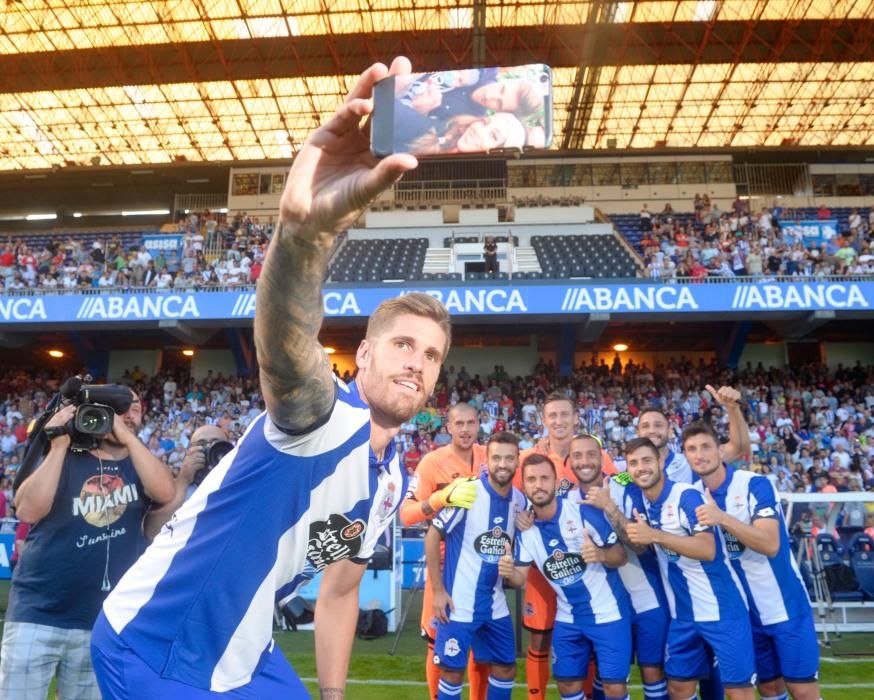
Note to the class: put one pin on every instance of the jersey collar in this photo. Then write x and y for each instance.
(484, 478)
(723, 487)
(387, 457)
(666, 491)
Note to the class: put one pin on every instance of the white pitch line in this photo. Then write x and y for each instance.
(418, 684)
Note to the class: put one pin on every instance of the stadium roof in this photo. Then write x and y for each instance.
(133, 83)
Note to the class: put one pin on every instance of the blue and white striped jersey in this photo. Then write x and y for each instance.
(586, 593)
(475, 542)
(641, 575)
(773, 585)
(198, 605)
(697, 591)
(678, 469)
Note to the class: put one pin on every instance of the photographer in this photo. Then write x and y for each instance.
(86, 507)
(208, 445)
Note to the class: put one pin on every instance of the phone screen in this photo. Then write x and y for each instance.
(472, 110)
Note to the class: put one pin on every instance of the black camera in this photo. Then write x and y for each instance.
(96, 405)
(213, 453)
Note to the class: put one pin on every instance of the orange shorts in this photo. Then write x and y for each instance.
(538, 613)
(428, 620)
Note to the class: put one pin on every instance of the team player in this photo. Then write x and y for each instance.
(577, 551)
(468, 597)
(538, 616)
(311, 485)
(640, 575)
(652, 423)
(746, 508)
(443, 477)
(707, 603)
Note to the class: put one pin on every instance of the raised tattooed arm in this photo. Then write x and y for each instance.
(295, 375)
(333, 179)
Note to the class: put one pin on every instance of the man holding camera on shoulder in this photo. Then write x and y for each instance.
(86, 500)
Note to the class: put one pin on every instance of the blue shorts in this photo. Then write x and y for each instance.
(732, 644)
(788, 649)
(572, 647)
(122, 675)
(649, 634)
(492, 642)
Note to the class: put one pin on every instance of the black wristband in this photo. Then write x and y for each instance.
(56, 431)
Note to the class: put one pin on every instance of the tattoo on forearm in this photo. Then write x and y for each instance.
(614, 517)
(619, 521)
(331, 693)
(427, 509)
(287, 322)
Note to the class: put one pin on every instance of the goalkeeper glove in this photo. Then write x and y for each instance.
(461, 493)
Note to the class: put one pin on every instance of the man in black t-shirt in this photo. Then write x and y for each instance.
(490, 254)
(87, 510)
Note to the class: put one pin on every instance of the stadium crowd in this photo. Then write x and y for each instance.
(218, 251)
(739, 242)
(237, 249)
(811, 429)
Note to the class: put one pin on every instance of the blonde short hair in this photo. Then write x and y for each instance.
(414, 304)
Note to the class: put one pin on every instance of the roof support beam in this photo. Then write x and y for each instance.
(479, 33)
(626, 43)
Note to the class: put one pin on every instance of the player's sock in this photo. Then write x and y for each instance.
(782, 696)
(597, 689)
(537, 669)
(432, 672)
(478, 679)
(624, 697)
(448, 691)
(656, 691)
(573, 696)
(500, 688)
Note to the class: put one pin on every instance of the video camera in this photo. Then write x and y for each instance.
(96, 405)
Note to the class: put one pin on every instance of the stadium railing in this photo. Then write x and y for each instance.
(833, 611)
(38, 291)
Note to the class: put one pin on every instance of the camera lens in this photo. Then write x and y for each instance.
(93, 420)
(216, 451)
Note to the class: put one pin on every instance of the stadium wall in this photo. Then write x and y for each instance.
(847, 353)
(149, 361)
(518, 360)
(768, 354)
(435, 235)
(650, 359)
(219, 361)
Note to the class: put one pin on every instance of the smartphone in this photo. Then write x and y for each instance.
(474, 110)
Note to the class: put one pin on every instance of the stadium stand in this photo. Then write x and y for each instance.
(583, 256)
(737, 243)
(380, 259)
